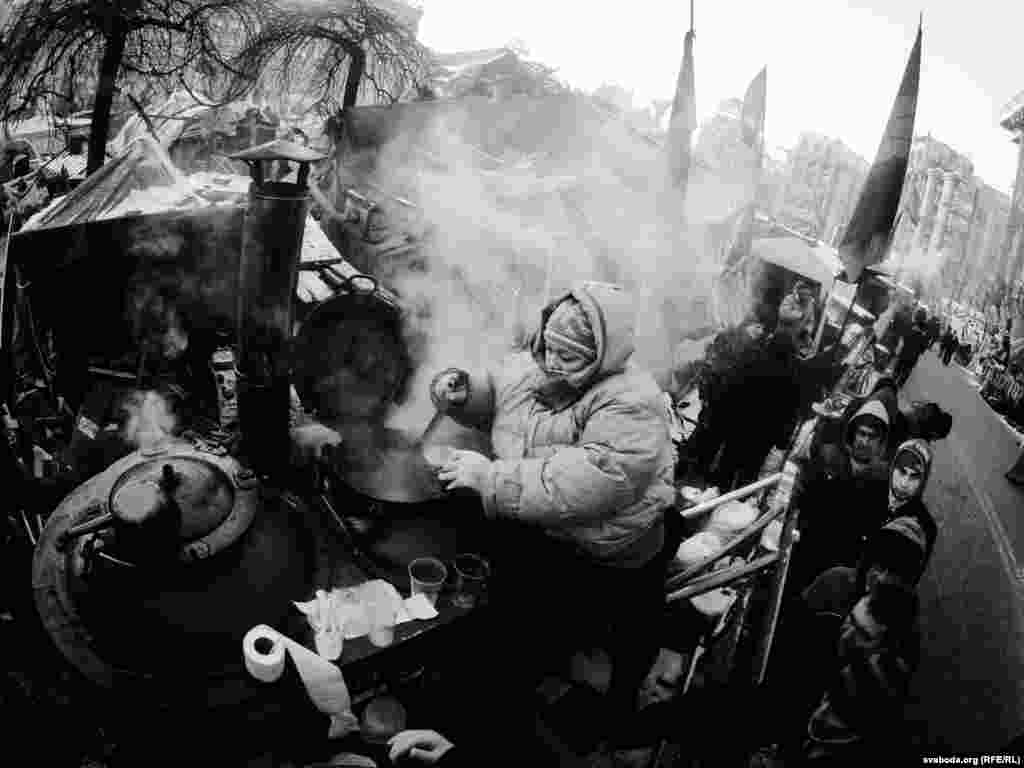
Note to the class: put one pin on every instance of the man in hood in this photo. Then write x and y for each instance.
(577, 491)
(924, 420)
(867, 434)
(841, 492)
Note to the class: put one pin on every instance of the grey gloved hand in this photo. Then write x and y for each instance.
(449, 389)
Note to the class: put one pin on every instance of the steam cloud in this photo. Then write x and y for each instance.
(596, 204)
(150, 420)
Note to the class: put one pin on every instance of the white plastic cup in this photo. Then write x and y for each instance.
(426, 577)
(382, 617)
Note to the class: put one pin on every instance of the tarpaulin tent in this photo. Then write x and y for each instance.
(142, 179)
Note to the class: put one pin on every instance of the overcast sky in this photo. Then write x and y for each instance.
(833, 67)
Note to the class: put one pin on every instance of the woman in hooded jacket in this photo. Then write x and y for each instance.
(575, 497)
(840, 493)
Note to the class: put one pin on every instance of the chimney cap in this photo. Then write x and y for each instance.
(279, 149)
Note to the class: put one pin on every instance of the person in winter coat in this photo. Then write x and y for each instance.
(576, 495)
(834, 430)
(1004, 349)
(1015, 474)
(914, 344)
(934, 326)
(725, 358)
(949, 345)
(911, 468)
(840, 494)
(758, 403)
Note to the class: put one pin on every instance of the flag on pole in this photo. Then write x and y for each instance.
(754, 109)
(683, 121)
(752, 119)
(869, 233)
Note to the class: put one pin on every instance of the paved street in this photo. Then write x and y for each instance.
(968, 695)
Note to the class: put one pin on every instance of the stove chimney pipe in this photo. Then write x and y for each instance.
(268, 270)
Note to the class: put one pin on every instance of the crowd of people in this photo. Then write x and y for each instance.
(583, 477)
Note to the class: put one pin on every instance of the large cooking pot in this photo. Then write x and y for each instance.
(351, 360)
(390, 504)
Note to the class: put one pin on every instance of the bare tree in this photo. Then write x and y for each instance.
(335, 49)
(65, 49)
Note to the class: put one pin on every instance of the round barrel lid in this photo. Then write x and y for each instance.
(202, 490)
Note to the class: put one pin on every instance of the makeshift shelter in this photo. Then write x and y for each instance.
(47, 135)
(142, 179)
(139, 221)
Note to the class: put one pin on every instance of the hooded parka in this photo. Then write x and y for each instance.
(594, 465)
(840, 503)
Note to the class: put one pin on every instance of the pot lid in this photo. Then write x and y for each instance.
(201, 489)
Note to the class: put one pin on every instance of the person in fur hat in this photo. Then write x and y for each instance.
(576, 495)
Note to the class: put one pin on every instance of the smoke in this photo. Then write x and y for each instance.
(149, 420)
(919, 263)
(579, 197)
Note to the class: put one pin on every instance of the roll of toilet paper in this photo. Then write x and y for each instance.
(264, 651)
(323, 680)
